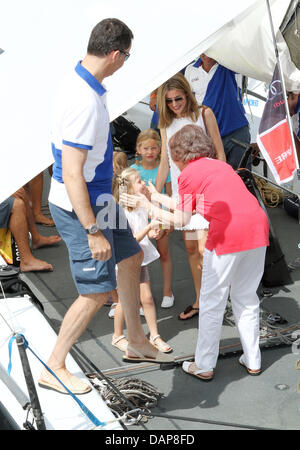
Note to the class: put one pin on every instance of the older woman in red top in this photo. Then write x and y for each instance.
(233, 260)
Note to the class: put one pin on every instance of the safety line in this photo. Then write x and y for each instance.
(211, 422)
(84, 408)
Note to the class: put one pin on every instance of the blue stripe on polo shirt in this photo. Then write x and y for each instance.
(223, 97)
(90, 79)
(57, 166)
(72, 144)
(198, 62)
(102, 182)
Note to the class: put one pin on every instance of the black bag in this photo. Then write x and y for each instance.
(13, 286)
(291, 205)
(124, 135)
(276, 271)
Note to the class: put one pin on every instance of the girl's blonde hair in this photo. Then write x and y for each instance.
(120, 162)
(166, 115)
(143, 136)
(124, 181)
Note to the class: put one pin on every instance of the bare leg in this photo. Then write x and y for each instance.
(19, 228)
(149, 308)
(119, 320)
(195, 248)
(166, 263)
(129, 294)
(74, 324)
(150, 316)
(36, 191)
(38, 240)
(119, 340)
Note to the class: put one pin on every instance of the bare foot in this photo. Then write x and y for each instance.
(44, 241)
(73, 383)
(35, 265)
(43, 220)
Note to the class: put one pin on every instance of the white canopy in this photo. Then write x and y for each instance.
(44, 40)
(249, 45)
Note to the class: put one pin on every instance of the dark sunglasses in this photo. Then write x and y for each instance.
(171, 100)
(125, 53)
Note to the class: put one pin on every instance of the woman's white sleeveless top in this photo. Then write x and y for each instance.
(197, 221)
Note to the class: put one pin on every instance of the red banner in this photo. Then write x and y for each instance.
(274, 138)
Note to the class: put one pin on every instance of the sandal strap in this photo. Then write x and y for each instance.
(186, 366)
(202, 371)
(154, 338)
(189, 309)
(118, 339)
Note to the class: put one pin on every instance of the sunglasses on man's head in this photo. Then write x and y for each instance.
(171, 100)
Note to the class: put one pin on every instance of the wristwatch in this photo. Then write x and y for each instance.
(92, 229)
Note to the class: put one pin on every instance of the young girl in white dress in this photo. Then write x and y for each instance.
(129, 180)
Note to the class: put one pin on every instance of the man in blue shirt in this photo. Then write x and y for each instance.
(217, 87)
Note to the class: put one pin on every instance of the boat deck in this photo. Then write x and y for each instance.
(233, 400)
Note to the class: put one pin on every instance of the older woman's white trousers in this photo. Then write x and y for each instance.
(238, 275)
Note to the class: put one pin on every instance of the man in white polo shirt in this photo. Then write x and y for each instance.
(81, 194)
(217, 87)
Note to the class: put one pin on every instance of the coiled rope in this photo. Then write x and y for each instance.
(270, 195)
(138, 392)
(269, 326)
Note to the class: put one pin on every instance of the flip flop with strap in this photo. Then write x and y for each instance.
(197, 373)
(187, 310)
(161, 358)
(253, 373)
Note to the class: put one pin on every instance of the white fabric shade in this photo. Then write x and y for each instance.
(44, 40)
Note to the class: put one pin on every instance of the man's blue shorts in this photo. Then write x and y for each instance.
(5, 212)
(92, 276)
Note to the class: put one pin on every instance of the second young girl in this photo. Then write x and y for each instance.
(148, 152)
(129, 180)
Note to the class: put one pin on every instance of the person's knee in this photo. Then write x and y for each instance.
(19, 207)
(147, 300)
(164, 255)
(191, 246)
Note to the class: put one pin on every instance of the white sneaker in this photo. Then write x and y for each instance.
(111, 312)
(167, 302)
